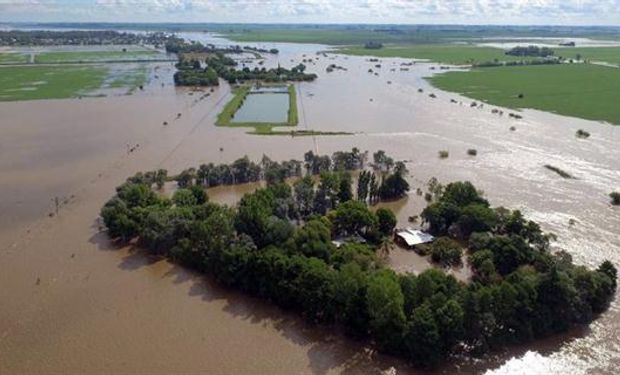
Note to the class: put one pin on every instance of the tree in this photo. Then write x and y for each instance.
(385, 310)
(344, 191)
(199, 193)
(314, 240)
(422, 340)
(117, 217)
(253, 215)
(386, 221)
(362, 185)
(446, 252)
(350, 296)
(351, 218)
(184, 198)
(304, 196)
(186, 178)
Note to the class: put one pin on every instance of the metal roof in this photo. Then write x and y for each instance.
(414, 237)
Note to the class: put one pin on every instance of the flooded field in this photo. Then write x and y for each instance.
(265, 107)
(74, 303)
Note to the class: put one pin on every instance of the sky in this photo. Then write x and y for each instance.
(516, 12)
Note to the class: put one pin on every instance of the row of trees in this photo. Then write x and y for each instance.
(519, 291)
(386, 180)
(78, 37)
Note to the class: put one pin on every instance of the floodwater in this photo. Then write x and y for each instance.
(263, 107)
(71, 302)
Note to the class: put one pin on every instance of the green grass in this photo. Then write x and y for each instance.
(225, 118)
(605, 54)
(13, 58)
(580, 90)
(443, 53)
(292, 106)
(49, 82)
(95, 56)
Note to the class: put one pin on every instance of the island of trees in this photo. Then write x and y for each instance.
(531, 51)
(191, 72)
(276, 244)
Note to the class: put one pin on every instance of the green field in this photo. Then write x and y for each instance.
(606, 54)
(457, 54)
(49, 82)
(13, 58)
(580, 90)
(96, 56)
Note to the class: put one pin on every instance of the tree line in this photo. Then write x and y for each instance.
(520, 290)
(385, 180)
(78, 37)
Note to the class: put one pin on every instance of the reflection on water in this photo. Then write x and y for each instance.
(73, 308)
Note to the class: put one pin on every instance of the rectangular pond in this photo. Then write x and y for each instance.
(264, 106)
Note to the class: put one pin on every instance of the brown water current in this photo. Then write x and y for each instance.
(72, 303)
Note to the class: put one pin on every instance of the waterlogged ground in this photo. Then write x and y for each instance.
(77, 304)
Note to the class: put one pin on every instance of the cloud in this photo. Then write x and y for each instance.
(317, 11)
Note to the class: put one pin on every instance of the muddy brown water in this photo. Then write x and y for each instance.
(71, 302)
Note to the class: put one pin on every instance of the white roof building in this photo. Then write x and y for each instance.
(414, 237)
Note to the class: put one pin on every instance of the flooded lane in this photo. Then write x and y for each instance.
(73, 304)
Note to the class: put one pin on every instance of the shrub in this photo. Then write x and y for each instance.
(443, 154)
(472, 152)
(615, 198)
(582, 134)
(446, 252)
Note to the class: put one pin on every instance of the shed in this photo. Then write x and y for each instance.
(412, 237)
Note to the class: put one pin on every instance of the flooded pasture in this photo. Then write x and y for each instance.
(74, 303)
(265, 107)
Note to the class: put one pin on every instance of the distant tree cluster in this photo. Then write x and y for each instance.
(273, 51)
(224, 70)
(192, 73)
(373, 45)
(519, 291)
(78, 37)
(531, 51)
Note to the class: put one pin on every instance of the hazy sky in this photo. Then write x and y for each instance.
(557, 12)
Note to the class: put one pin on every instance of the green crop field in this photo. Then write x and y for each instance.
(13, 58)
(443, 53)
(605, 54)
(580, 90)
(49, 82)
(96, 56)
